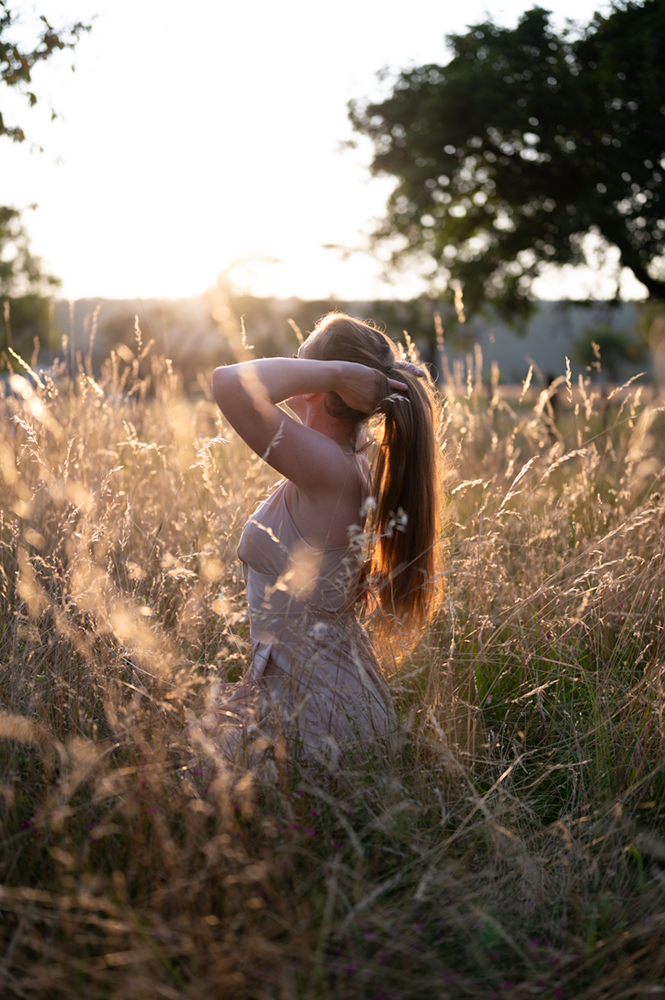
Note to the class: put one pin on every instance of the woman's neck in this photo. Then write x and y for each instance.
(320, 420)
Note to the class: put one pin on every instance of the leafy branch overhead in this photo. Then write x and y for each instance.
(17, 61)
(527, 140)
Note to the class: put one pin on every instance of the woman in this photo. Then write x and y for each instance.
(314, 679)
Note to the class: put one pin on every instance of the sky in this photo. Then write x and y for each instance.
(205, 139)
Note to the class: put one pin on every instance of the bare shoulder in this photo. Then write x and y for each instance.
(324, 517)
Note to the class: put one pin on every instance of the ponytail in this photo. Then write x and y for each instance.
(407, 516)
(406, 521)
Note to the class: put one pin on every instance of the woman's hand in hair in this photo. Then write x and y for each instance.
(411, 368)
(362, 388)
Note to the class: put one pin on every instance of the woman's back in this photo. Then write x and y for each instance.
(287, 577)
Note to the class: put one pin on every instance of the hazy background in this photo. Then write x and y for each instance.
(200, 139)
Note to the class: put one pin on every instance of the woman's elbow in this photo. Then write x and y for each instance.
(236, 389)
(220, 385)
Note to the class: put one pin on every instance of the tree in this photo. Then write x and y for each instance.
(20, 271)
(525, 142)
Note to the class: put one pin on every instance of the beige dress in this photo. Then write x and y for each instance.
(314, 678)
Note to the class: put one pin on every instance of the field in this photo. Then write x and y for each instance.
(512, 847)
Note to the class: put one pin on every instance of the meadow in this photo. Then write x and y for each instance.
(511, 847)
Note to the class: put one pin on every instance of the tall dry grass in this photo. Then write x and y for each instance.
(511, 847)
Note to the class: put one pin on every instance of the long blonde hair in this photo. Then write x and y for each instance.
(407, 473)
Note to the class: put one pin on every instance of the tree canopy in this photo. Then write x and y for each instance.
(526, 141)
(20, 270)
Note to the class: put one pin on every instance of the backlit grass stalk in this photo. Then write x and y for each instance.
(512, 844)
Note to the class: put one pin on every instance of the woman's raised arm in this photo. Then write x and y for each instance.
(248, 393)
